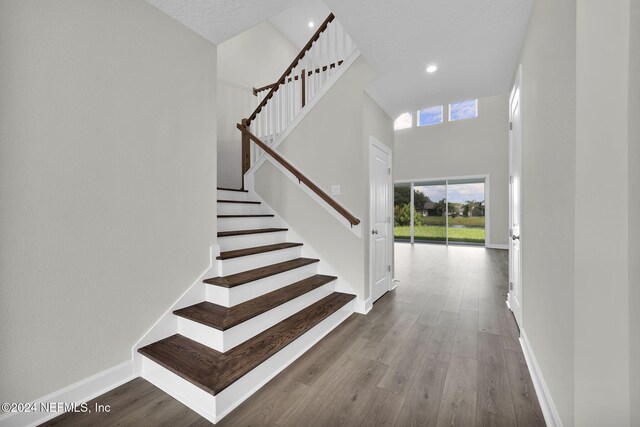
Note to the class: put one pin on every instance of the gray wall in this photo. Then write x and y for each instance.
(634, 209)
(254, 58)
(477, 146)
(330, 146)
(107, 182)
(548, 185)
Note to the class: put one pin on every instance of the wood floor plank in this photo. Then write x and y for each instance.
(432, 309)
(342, 394)
(402, 369)
(268, 404)
(525, 401)
(441, 342)
(328, 352)
(381, 408)
(494, 390)
(385, 349)
(458, 403)
(422, 402)
(465, 341)
(133, 403)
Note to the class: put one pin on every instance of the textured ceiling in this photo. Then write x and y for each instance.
(475, 43)
(293, 22)
(220, 20)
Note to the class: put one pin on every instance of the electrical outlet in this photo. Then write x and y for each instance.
(335, 190)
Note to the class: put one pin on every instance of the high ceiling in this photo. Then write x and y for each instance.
(220, 20)
(475, 43)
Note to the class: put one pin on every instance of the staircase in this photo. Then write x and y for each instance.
(268, 306)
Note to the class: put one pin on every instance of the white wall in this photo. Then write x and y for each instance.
(548, 184)
(602, 276)
(107, 182)
(467, 147)
(634, 208)
(330, 146)
(254, 58)
(580, 287)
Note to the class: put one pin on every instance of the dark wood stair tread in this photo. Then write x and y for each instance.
(256, 250)
(247, 216)
(254, 231)
(213, 371)
(223, 318)
(233, 189)
(246, 202)
(259, 273)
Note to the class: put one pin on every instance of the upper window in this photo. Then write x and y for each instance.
(430, 116)
(403, 121)
(463, 110)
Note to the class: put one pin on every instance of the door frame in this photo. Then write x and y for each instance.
(487, 200)
(373, 142)
(516, 84)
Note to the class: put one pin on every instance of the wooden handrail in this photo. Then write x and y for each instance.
(301, 178)
(297, 59)
(333, 65)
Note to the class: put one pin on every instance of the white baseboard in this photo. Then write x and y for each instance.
(363, 306)
(551, 416)
(80, 392)
(496, 246)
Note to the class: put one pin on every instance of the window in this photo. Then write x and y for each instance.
(404, 121)
(430, 116)
(463, 110)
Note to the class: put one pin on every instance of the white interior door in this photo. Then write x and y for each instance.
(515, 199)
(381, 236)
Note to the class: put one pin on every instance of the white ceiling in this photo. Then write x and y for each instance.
(220, 20)
(475, 43)
(294, 22)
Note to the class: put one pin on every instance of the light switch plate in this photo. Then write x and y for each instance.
(335, 190)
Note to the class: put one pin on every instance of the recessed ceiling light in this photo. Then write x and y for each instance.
(432, 68)
(310, 24)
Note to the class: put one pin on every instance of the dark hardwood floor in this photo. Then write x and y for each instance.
(440, 350)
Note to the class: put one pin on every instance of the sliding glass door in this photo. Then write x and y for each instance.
(448, 211)
(430, 220)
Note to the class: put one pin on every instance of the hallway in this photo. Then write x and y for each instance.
(441, 349)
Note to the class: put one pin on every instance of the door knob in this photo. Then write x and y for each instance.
(374, 231)
(515, 237)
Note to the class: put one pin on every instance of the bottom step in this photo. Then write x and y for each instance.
(213, 383)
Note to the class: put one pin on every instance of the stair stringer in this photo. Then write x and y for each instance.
(342, 285)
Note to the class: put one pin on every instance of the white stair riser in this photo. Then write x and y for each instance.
(247, 223)
(214, 408)
(182, 390)
(241, 209)
(226, 340)
(244, 263)
(232, 195)
(228, 297)
(250, 240)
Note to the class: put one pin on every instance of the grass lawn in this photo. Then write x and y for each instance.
(437, 233)
(474, 221)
